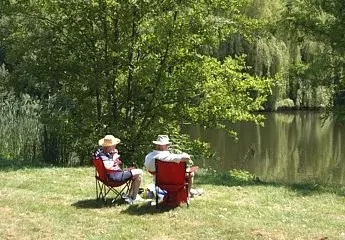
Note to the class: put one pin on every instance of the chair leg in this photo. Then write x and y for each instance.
(103, 193)
(99, 190)
(97, 196)
(187, 192)
(102, 190)
(156, 197)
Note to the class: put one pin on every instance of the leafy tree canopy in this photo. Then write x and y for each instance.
(130, 68)
(322, 21)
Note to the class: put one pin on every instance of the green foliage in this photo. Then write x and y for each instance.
(285, 104)
(323, 23)
(276, 49)
(141, 68)
(241, 176)
(3, 77)
(322, 20)
(20, 128)
(234, 177)
(197, 149)
(229, 93)
(133, 69)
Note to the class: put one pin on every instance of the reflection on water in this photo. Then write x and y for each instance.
(294, 147)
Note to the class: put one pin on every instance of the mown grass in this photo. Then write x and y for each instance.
(59, 203)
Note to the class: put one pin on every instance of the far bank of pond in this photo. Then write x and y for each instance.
(292, 147)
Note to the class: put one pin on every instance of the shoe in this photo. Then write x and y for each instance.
(138, 199)
(127, 199)
(124, 195)
(196, 192)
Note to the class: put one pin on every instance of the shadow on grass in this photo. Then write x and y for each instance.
(135, 209)
(7, 165)
(144, 209)
(306, 189)
(90, 204)
(98, 203)
(243, 178)
(231, 178)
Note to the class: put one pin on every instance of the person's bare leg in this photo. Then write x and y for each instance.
(135, 187)
(190, 179)
(137, 175)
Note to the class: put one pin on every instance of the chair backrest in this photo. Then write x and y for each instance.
(100, 169)
(171, 177)
(170, 173)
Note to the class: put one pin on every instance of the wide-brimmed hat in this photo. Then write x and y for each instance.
(162, 140)
(108, 140)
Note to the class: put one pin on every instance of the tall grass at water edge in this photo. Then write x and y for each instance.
(20, 128)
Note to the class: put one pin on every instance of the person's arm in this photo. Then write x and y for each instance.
(107, 161)
(109, 164)
(150, 162)
(185, 157)
(172, 157)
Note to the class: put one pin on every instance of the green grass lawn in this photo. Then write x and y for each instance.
(59, 203)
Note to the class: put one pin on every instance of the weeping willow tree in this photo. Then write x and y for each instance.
(288, 55)
(323, 21)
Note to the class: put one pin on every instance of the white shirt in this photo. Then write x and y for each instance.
(164, 156)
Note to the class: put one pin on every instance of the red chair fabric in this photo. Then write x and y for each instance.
(171, 177)
(104, 185)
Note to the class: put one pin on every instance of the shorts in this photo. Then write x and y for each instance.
(120, 176)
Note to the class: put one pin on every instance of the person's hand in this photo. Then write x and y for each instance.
(116, 156)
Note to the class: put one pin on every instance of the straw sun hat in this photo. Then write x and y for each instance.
(108, 140)
(162, 140)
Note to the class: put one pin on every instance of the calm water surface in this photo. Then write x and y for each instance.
(298, 147)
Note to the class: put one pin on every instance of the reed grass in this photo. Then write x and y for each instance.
(20, 129)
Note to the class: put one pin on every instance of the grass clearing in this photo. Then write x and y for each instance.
(59, 203)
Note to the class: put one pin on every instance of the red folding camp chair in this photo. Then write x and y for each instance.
(171, 177)
(104, 184)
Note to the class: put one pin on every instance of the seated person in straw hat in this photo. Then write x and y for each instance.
(162, 153)
(110, 156)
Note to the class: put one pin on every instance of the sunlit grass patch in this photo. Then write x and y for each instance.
(60, 203)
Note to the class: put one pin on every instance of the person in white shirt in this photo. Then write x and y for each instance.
(162, 153)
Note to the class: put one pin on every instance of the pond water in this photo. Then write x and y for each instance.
(298, 147)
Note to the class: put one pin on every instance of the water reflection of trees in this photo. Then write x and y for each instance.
(301, 149)
(291, 147)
